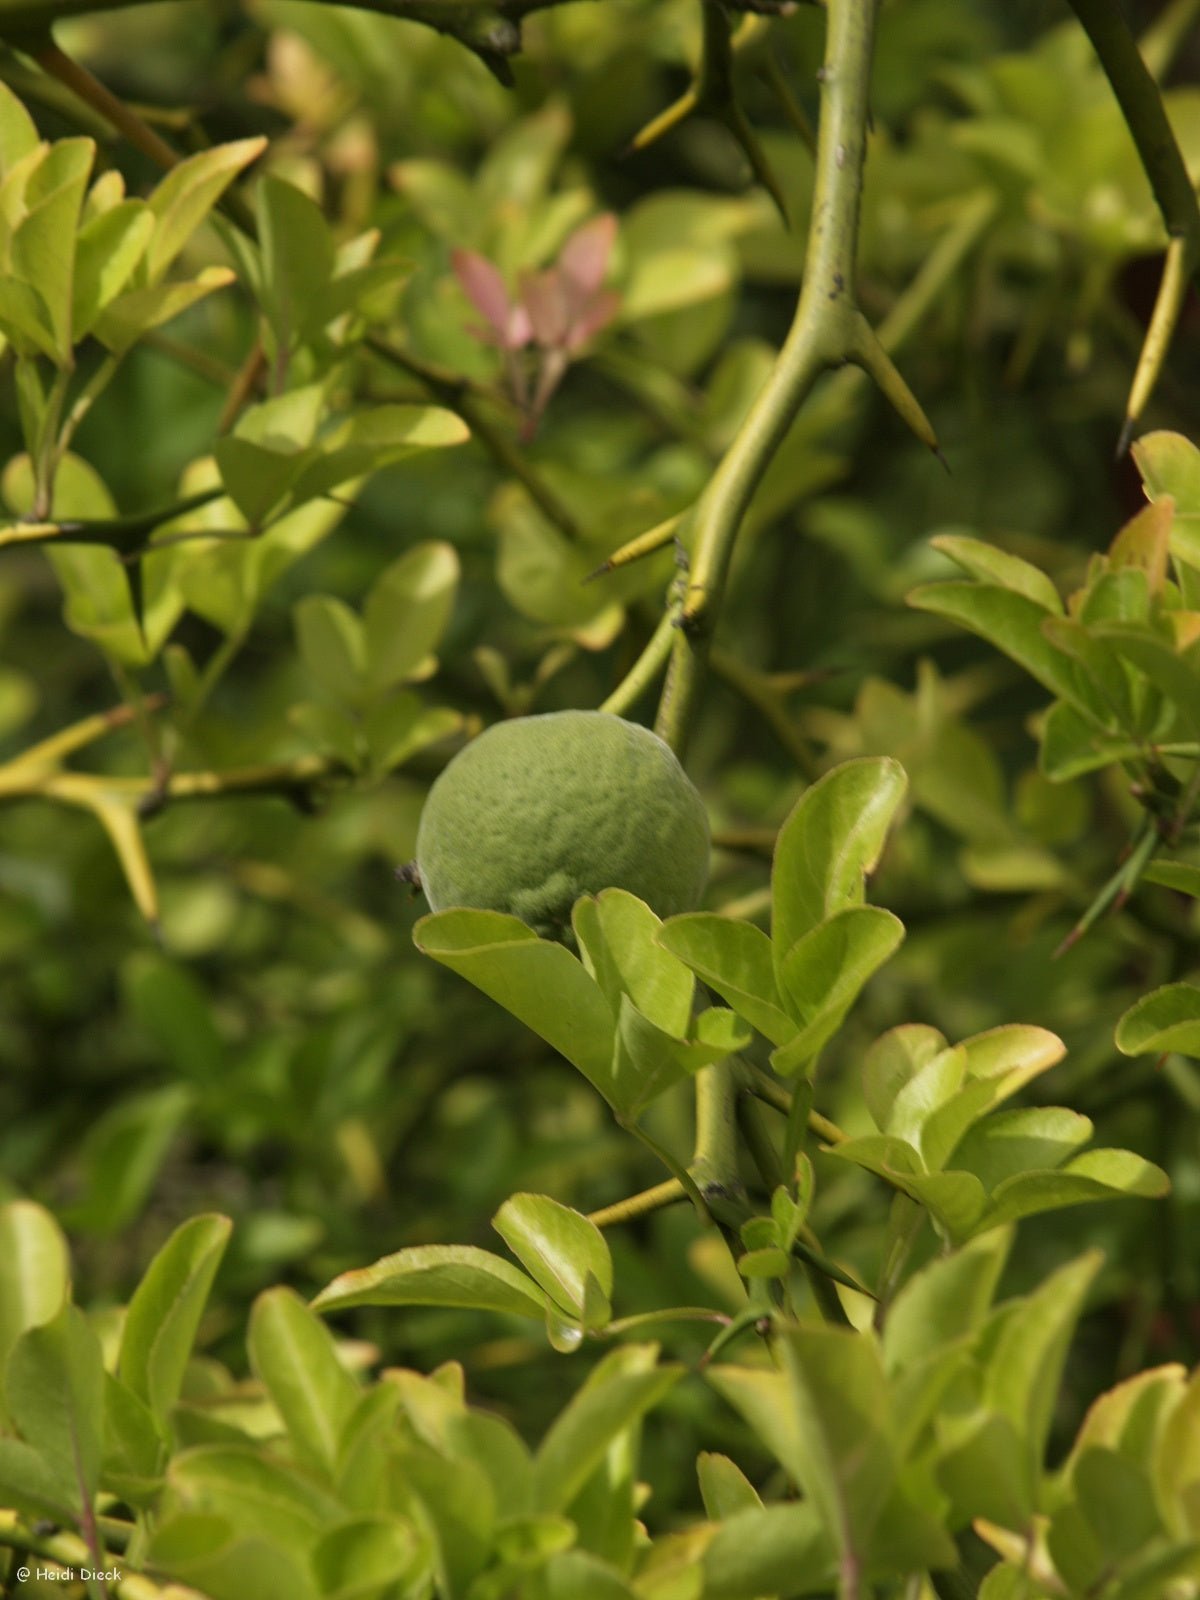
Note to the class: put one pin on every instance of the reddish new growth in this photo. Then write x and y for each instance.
(555, 313)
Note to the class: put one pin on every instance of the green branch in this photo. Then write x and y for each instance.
(1145, 116)
(828, 330)
(489, 28)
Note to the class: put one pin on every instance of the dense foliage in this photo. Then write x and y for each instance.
(369, 379)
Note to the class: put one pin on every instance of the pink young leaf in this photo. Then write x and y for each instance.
(544, 296)
(597, 314)
(583, 260)
(485, 288)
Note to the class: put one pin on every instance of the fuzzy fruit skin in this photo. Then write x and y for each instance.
(539, 810)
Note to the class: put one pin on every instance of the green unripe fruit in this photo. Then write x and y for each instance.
(540, 810)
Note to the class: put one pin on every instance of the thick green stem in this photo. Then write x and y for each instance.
(826, 331)
(714, 1165)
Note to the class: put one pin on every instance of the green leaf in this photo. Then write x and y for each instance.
(42, 249)
(295, 1357)
(256, 476)
(494, 1445)
(437, 1275)
(647, 1060)
(253, 1494)
(830, 842)
(1013, 623)
(1170, 465)
(824, 972)
(620, 948)
(1095, 1175)
(762, 1397)
(123, 1152)
(134, 1449)
(1175, 673)
(203, 1551)
(226, 582)
(894, 1060)
(998, 1064)
(1014, 1142)
(540, 983)
(374, 439)
(1165, 1019)
(1027, 1357)
(330, 637)
(1182, 876)
(123, 321)
(734, 958)
(946, 1299)
(188, 193)
(171, 1004)
(99, 600)
(769, 1550)
(54, 1386)
(559, 1247)
(1073, 745)
(18, 134)
(615, 1396)
(365, 1558)
(398, 728)
(955, 1200)
(987, 563)
(35, 1268)
(108, 250)
(724, 1487)
(575, 1575)
(407, 611)
(161, 1322)
(840, 1397)
(985, 1468)
(25, 320)
(1117, 1498)
(30, 1485)
(297, 259)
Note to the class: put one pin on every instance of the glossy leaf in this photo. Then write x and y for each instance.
(164, 1314)
(832, 839)
(824, 972)
(1170, 465)
(295, 1357)
(54, 1390)
(616, 1395)
(253, 1494)
(1013, 623)
(184, 198)
(847, 1465)
(734, 958)
(1095, 1175)
(768, 1550)
(559, 1248)
(1165, 1019)
(542, 984)
(619, 945)
(437, 1275)
(988, 563)
(34, 1267)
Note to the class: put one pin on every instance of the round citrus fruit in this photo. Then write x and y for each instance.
(540, 810)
